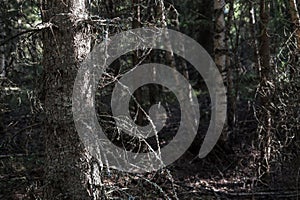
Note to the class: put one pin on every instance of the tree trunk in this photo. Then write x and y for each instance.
(229, 65)
(296, 21)
(220, 50)
(252, 17)
(136, 23)
(264, 39)
(2, 62)
(219, 37)
(70, 171)
(2, 54)
(265, 118)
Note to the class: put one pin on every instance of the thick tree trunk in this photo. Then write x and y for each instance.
(70, 172)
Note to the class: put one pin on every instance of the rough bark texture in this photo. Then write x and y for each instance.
(70, 172)
(219, 38)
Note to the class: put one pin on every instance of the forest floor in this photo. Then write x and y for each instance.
(223, 174)
(22, 178)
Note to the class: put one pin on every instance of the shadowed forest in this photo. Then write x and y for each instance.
(255, 45)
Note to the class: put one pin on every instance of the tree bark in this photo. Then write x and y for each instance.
(2, 54)
(2, 62)
(252, 17)
(70, 171)
(136, 23)
(230, 68)
(265, 87)
(296, 21)
(219, 37)
(264, 38)
(220, 50)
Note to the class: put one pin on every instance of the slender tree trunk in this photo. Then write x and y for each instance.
(161, 17)
(220, 50)
(2, 54)
(265, 86)
(264, 38)
(296, 21)
(160, 13)
(136, 23)
(230, 85)
(252, 17)
(2, 62)
(219, 37)
(160, 20)
(70, 171)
